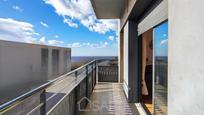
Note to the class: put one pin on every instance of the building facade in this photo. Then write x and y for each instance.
(160, 44)
(25, 66)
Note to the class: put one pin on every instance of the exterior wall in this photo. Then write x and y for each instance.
(128, 8)
(186, 51)
(120, 57)
(155, 17)
(24, 66)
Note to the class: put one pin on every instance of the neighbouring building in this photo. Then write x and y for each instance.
(160, 52)
(24, 66)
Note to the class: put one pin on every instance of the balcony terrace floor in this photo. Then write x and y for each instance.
(109, 99)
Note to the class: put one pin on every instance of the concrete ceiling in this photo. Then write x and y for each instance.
(108, 9)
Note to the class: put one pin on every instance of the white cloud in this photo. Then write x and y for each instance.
(75, 45)
(56, 36)
(91, 45)
(13, 30)
(111, 38)
(70, 23)
(100, 45)
(117, 39)
(19, 31)
(164, 35)
(44, 41)
(164, 42)
(55, 42)
(44, 24)
(17, 8)
(82, 11)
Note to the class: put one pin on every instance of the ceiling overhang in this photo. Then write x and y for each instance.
(108, 9)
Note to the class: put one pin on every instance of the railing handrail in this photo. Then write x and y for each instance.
(71, 72)
(40, 88)
(23, 96)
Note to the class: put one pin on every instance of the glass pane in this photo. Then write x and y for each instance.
(160, 69)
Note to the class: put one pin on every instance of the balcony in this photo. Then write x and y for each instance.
(75, 93)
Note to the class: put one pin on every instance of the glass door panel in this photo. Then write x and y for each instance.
(160, 68)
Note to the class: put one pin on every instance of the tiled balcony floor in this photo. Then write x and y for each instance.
(109, 99)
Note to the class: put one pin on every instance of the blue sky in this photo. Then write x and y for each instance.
(161, 40)
(67, 23)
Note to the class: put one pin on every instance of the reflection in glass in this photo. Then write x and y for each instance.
(160, 68)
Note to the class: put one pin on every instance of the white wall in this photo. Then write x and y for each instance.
(186, 54)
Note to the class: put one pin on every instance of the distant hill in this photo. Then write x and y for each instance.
(78, 61)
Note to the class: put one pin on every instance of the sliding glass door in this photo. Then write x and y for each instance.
(160, 68)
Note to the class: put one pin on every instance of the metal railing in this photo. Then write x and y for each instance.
(59, 96)
(107, 73)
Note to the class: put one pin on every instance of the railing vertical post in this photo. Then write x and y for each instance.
(87, 70)
(92, 76)
(76, 93)
(76, 73)
(76, 109)
(95, 72)
(43, 100)
(87, 82)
